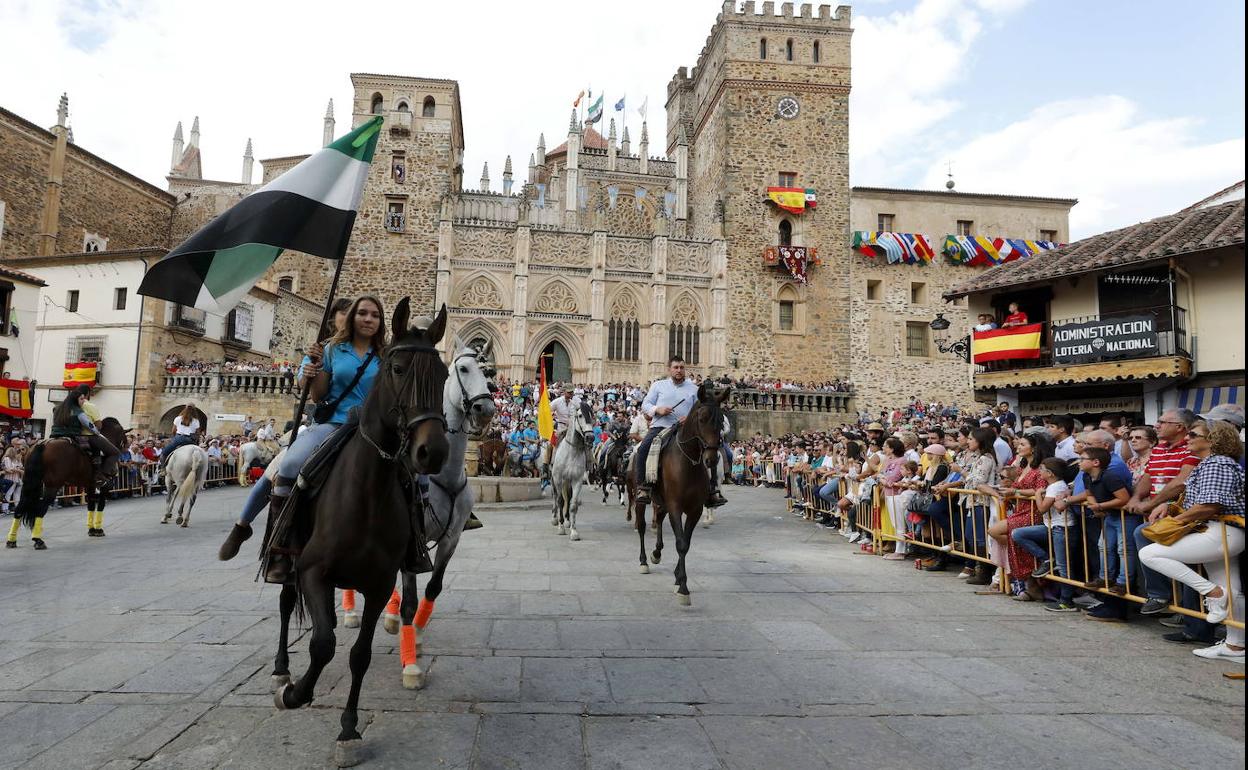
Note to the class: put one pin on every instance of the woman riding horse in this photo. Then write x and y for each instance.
(342, 373)
(77, 416)
(186, 427)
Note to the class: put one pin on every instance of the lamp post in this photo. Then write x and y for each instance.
(960, 348)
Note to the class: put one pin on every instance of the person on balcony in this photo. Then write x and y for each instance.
(1016, 317)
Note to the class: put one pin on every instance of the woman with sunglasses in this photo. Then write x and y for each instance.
(1215, 495)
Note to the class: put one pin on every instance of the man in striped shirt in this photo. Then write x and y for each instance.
(1163, 480)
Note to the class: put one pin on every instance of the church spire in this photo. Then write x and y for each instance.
(177, 147)
(62, 111)
(195, 132)
(327, 130)
(507, 177)
(485, 177)
(248, 163)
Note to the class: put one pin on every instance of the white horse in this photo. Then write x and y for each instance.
(185, 474)
(568, 469)
(249, 453)
(468, 404)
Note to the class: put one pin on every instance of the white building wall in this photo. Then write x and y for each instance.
(24, 304)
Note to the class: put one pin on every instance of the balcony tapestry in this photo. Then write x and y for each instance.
(796, 259)
(1004, 344)
(81, 373)
(15, 398)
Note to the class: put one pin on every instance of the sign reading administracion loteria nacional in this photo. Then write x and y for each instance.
(1126, 337)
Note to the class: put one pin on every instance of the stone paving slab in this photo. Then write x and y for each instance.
(142, 650)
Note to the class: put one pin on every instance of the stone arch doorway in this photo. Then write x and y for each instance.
(556, 361)
(166, 421)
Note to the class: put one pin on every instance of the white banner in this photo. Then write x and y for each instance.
(229, 417)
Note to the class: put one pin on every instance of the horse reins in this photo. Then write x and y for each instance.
(465, 400)
(403, 424)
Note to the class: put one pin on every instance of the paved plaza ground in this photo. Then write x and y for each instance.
(142, 650)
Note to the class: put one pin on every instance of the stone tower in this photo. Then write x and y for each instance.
(769, 101)
(394, 247)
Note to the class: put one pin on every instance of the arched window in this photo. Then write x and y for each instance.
(376, 104)
(815, 51)
(427, 109)
(684, 333)
(786, 319)
(402, 106)
(788, 50)
(762, 48)
(624, 330)
(286, 283)
(786, 232)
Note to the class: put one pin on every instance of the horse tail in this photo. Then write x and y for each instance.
(29, 504)
(188, 486)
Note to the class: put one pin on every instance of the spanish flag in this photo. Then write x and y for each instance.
(82, 373)
(15, 398)
(788, 198)
(1004, 344)
(545, 418)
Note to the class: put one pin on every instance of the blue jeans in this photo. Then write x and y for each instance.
(976, 529)
(1091, 543)
(296, 455)
(1156, 585)
(1035, 540)
(174, 443)
(1112, 535)
(1130, 554)
(831, 492)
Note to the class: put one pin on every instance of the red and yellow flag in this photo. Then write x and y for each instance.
(545, 418)
(15, 398)
(82, 373)
(1004, 344)
(788, 198)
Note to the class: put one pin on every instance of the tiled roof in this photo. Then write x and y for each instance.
(1187, 231)
(1230, 191)
(591, 140)
(8, 272)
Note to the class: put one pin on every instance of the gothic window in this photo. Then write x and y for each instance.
(788, 50)
(398, 167)
(624, 330)
(93, 242)
(786, 232)
(684, 333)
(788, 178)
(375, 107)
(788, 316)
(762, 48)
(815, 52)
(286, 283)
(427, 109)
(402, 106)
(556, 297)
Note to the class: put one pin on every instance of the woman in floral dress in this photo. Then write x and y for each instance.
(1031, 449)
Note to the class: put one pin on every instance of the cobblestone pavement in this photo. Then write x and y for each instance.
(141, 649)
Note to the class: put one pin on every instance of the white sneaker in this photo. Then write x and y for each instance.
(855, 537)
(1216, 609)
(1220, 651)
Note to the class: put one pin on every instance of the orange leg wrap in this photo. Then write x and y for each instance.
(407, 645)
(392, 606)
(423, 611)
(348, 599)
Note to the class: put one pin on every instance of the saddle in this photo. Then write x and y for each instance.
(661, 442)
(316, 470)
(82, 445)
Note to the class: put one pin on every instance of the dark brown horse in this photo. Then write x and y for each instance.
(491, 457)
(684, 481)
(58, 462)
(362, 519)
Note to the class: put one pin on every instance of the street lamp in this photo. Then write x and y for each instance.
(961, 348)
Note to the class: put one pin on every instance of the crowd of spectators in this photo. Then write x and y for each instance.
(176, 364)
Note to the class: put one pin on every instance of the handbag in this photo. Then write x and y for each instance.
(1168, 530)
(324, 410)
(921, 502)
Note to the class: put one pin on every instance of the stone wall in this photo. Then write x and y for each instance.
(747, 422)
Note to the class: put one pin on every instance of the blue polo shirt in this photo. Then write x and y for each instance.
(341, 363)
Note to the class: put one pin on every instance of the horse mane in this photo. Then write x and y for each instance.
(429, 372)
(109, 422)
(714, 410)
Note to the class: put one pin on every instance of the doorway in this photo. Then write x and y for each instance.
(557, 363)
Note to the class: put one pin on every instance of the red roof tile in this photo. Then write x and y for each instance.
(8, 272)
(592, 139)
(1188, 231)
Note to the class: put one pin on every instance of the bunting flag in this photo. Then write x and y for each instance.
(545, 418)
(82, 373)
(812, 200)
(595, 111)
(310, 208)
(973, 250)
(619, 106)
(908, 248)
(1018, 248)
(15, 398)
(1002, 344)
(792, 199)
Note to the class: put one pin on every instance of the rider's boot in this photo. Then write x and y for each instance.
(643, 493)
(281, 562)
(473, 522)
(714, 498)
(238, 535)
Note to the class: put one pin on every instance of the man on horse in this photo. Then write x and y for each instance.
(77, 416)
(668, 403)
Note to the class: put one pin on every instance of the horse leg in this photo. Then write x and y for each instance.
(405, 606)
(639, 524)
(186, 518)
(574, 505)
(392, 618)
(684, 535)
(350, 618)
(101, 498)
(347, 750)
(281, 662)
(319, 597)
(656, 555)
(169, 502)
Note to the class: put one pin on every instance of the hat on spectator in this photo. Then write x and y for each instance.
(935, 449)
(875, 426)
(1232, 413)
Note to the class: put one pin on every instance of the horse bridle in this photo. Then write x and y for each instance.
(404, 424)
(696, 460)
(465, 401)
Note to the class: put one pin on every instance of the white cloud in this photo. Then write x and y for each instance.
(1122, 165)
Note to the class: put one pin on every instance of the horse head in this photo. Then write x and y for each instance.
(706, 419)
(410, 388)
(113, 430)
(469, 399)
(583, 422)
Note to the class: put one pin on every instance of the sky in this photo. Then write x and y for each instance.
(1135, 107)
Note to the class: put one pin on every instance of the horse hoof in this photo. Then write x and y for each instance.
(352, 620)
(562, 530)
(178, 521)
(573, 535)
(683, 600)
(349, 753)
(184, 523)
(390, 623)
(656, 557)
(165, 520)
(279, 697)
(644, 569)
(277, 682)
(413, 677)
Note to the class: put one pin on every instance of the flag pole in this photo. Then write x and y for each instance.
(306, 389)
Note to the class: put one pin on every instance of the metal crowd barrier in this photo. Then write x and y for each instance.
(139, 480)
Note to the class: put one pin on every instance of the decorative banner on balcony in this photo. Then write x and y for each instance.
(1004, 344)
(1126, 337)
(910, 248)
(794, 258)
(977, 250)
(82, 373)
(1018, 248)
(15, 398)
(791, 199)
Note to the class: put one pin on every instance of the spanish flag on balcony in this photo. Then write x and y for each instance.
(82, 373)
(788, 198)
(1005, 344)
(15, 398)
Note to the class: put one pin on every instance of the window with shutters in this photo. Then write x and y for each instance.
(916, 338)
(884, 223)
